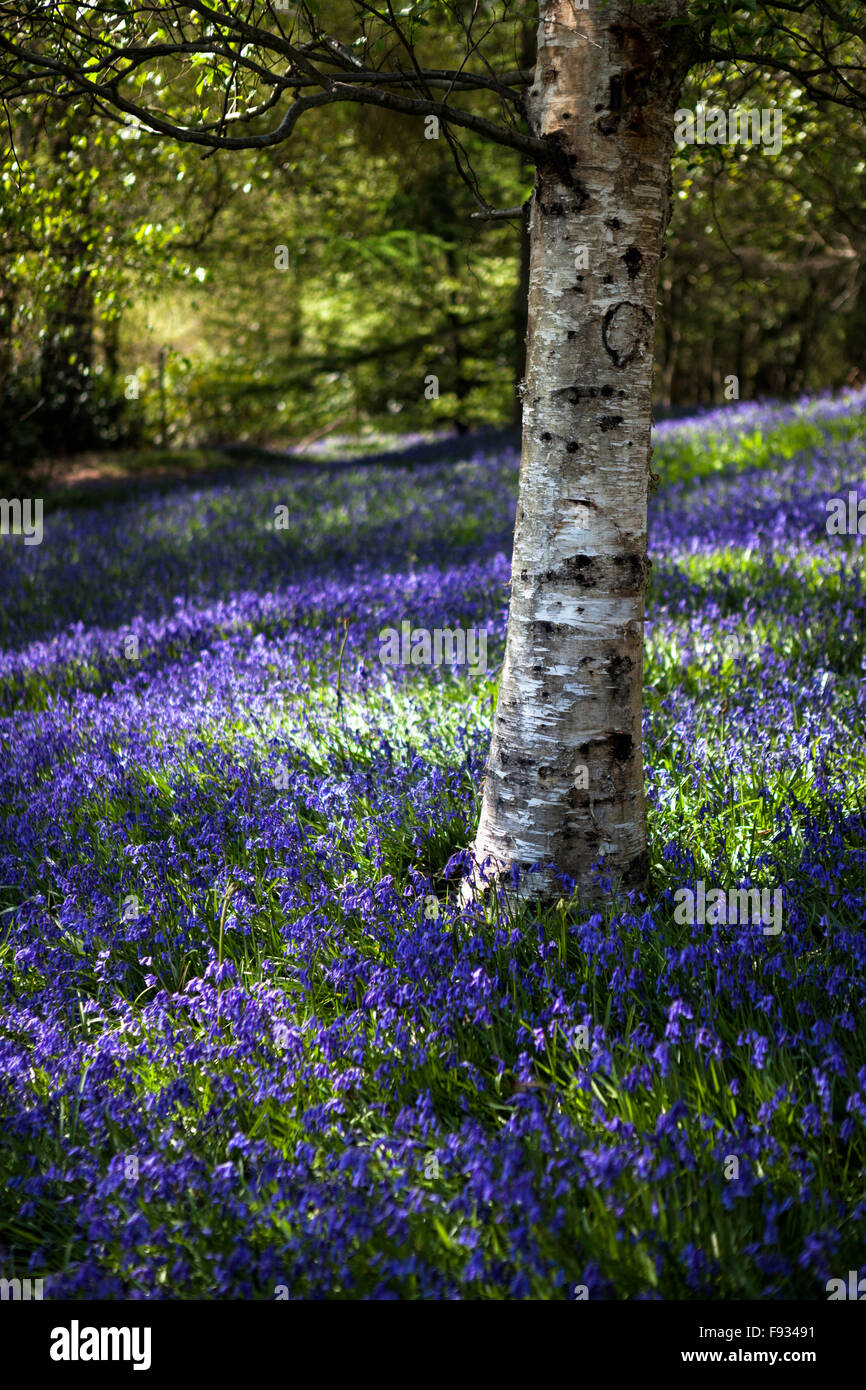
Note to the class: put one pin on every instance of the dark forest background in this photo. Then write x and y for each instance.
(150, 296)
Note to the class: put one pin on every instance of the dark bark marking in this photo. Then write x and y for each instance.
(574, 394)
(626, 331)
(621, 746)
(618, 667)
(633, 261)
(562, 163)
(571, 394)
(609, 574)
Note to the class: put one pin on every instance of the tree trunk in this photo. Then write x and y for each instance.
(672, 341)
(521, 309)
(66, 353)
(564, 781)
(66, 357)
(111, 349)
(521, 301)
(7, 325)
(457, 354)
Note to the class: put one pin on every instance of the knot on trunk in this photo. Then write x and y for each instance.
(627, 331)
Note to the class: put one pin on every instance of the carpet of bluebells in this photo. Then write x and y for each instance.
(251, 1043)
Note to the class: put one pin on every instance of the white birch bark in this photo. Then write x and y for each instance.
(606, 85)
